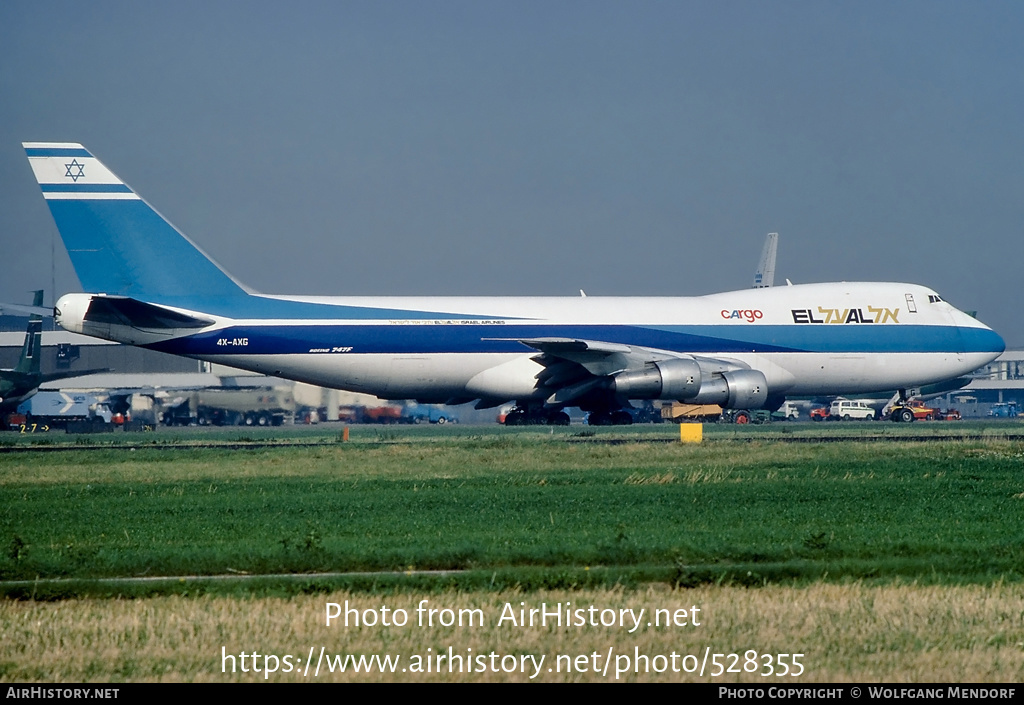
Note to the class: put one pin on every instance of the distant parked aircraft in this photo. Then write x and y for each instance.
(23, 381)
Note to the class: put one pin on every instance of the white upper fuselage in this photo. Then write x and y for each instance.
(834, 338)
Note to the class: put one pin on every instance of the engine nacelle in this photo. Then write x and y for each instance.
(664, 379)
(735, 389)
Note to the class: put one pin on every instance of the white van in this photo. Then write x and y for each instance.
(845, 409)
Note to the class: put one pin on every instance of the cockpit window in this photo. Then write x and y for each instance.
(934, 298)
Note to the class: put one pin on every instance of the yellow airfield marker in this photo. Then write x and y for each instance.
(691, 432)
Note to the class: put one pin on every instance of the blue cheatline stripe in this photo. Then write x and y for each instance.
(84, 188)
(57, 152)
(478, 338)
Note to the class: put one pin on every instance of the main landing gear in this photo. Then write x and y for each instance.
(610, 418)
(539, 416)
(536, 417)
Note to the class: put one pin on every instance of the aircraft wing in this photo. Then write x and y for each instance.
(576, 368)
(26, 310)
(54, 376)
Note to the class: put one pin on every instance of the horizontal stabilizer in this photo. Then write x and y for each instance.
(116, 310)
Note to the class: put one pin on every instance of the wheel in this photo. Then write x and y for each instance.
(927, 417)
(441, 421)
(846, 417)
(515, 418)
(742, 418)
(250, 420)
(906, 415)
(263, 420)
(621, 418)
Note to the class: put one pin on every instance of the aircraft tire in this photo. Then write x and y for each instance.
(559, 418)
(515, 418)
(621, 418)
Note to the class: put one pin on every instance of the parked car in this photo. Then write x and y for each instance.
(1004, 409)
(845, 410)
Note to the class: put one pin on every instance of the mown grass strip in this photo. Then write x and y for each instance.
(511, 503)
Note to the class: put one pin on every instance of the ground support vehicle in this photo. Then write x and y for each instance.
(680, 412)
(847, 410)
(912, 411)
(745, 416)
(382, 414)
(242, 406)
(431, 415)
(787, 412)
(1004, 409)
(76, 412)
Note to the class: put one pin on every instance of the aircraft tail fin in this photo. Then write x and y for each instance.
(119, 244)
(764, 277)
(29, 361)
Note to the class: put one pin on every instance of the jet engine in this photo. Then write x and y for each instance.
(681, 380)
(735, 389)
(664, 379)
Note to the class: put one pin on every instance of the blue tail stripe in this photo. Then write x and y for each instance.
(57, 152)
(84, 188)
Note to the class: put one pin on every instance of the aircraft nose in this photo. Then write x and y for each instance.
(979, 342)
(999, 341)
(982, 339)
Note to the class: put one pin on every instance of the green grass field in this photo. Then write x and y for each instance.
(878, 561)
(530, 509)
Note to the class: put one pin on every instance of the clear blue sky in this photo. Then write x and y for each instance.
(537, 147)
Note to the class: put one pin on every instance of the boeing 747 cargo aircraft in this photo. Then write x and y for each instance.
(147, 284)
